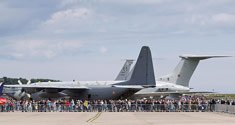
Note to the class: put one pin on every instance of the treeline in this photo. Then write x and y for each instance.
(12, 81)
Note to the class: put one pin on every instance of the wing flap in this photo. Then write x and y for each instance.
(159, 93)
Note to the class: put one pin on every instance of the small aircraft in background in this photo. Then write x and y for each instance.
(2, 99)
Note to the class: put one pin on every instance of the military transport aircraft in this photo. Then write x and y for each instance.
(18, 93)
(142, 77)
(176, 83)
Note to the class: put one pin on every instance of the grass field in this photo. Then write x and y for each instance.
(222, 96)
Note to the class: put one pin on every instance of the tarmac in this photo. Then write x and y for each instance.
(116, 118)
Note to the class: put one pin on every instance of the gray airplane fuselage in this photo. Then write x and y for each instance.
(95, 92)
(101, 92)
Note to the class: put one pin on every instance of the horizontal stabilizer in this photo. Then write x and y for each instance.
(201, 57)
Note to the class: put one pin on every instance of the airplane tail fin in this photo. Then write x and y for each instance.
(185, 69)
(1, 88)
(125, 70)
(143, 72)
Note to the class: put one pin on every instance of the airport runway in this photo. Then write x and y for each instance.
(115, 118)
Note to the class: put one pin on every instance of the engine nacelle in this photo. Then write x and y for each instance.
(44, 94)
(19, 95)
(31, 90)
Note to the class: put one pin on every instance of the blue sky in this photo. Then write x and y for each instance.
(87, 39)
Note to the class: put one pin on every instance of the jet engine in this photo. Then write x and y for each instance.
(19, 94)
(49, 93)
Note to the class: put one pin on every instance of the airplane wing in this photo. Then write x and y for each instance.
(201, 57)
(128, 86)
(48, 86)
(164, 93)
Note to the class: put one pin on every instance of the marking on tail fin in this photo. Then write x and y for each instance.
(178, 75)
(123, 74)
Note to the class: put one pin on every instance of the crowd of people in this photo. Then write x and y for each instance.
(184, 104)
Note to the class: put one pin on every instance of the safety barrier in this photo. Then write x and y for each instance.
(31, 107)
(108, 108)
(225, 108)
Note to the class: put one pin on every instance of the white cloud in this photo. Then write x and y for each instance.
(214, 21)
(137, 1)
(224, 18)
(23, 49)
(49, 53)
(17, 55)
(66, 21)
(75, 2)
(70, 45)
(199, 19)
(103, 49)
(67, 2)
(68, 16)
(59, 31)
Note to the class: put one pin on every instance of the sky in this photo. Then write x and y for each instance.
(90, 39)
